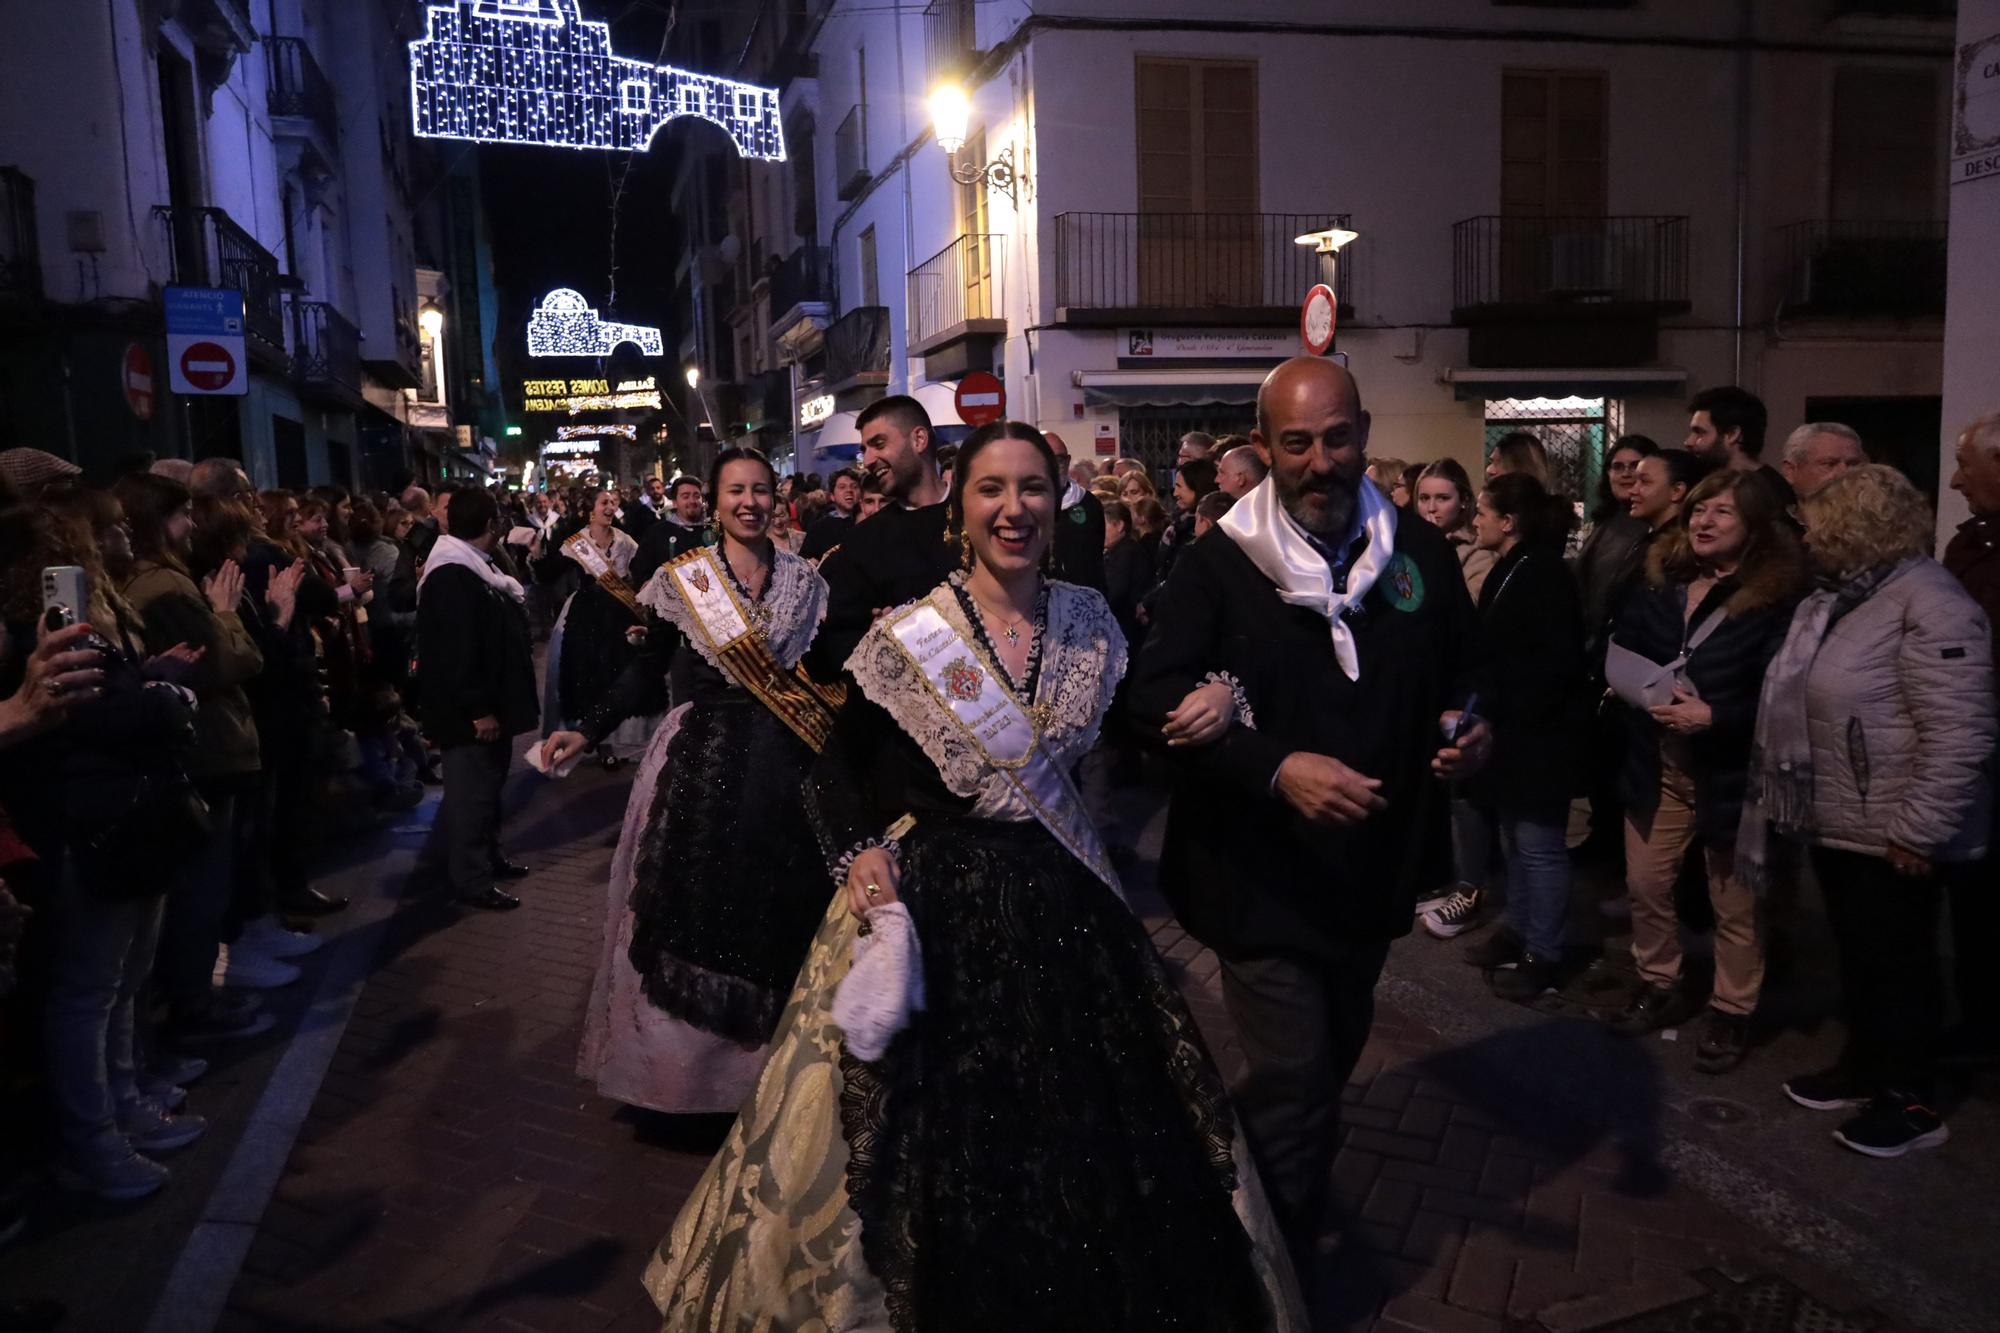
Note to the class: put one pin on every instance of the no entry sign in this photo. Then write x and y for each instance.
(205, 340)
(138, 372)
(981, 399)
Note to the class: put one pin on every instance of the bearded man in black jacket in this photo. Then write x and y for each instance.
(1296, 842)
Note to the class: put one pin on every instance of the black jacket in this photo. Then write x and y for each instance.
(1727, 670)
(1128, 576)
(1079, 543)
(664, 541)
(1612, 557)
(1532, 685)
(823, 536)
(1246, 873)
(896, 556)
(474, 658)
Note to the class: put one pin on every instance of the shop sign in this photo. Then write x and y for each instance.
(1975, 137)
(1150, 345)
(815, 410)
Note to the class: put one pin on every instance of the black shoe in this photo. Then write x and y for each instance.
(505, 869)
(1829, 1090)
(310, 902)
(1653, 1008)
(1526, 981)
(1893, 1124)
(1724, 1041)
(1503, 948)
(493, 900)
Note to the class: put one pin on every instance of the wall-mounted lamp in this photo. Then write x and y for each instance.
(431, 317)
(694, 377)
(950, 113)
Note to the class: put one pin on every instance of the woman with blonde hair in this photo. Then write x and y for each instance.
(1709, 614)
(1387, 473)
(1873, 746)
(1444, 499)
(1136, 486)
(1521, 451)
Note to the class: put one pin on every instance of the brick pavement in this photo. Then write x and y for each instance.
(456, 1174)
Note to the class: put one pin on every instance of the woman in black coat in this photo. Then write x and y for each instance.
(1531, 626)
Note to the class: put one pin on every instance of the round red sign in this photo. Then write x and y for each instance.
(1316, 319)
(139, 381)
(208, 365)
(981, 399)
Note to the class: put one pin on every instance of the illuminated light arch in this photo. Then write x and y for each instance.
(538, 72)
(564, 324)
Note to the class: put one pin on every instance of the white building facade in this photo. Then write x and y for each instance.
(1571, 218)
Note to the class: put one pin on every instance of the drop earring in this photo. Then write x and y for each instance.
(965, 550)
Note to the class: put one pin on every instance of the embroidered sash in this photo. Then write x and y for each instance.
(1007, 735)
(741, 650)
(583, 550)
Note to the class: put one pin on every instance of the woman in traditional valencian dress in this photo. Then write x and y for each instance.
(588, 647)
(717, 885)
(1013, 1124)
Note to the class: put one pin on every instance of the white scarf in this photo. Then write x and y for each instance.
(1277, 545)
(1072, 497)
(452, 550)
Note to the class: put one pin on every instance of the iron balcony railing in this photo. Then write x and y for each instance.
(1863, 268)
(20, 244)
(957, 286)
(858, 344)
(950, 41)
(850, 153)
(1549, 261)
(210, 250)
(326, 350)
(804, 277)
(297, 87)
(1159, 262)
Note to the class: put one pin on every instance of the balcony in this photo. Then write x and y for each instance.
(857, 349)
(326, 354)
(301, 100)
(1567, 291)
(1212, 269)
(20, 246)
(1861, 270)
(207, 249)
(850, 153)
(950, 43)
(801, 288)
(955, 295)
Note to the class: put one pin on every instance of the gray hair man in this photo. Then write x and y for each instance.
(1819, 451)
(1195, 444)
(1240, 471)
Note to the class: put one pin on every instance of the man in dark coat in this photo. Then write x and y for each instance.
(844, 494)
(477, 682)
(1296, 843)
(1078, 548)
(679, 531)
(899, 554)
(1973, 556)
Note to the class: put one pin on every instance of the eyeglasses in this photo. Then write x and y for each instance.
(1624, 467)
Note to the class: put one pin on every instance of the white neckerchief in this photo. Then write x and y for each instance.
(452, 550)
(1072, 497)
(1277, 545)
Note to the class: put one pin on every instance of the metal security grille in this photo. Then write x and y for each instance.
(1574, 431)
(1153, 434)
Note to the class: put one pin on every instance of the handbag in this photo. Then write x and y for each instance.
(1644, 683)
(162, 829)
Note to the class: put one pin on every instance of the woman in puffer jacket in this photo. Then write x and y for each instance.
(1875, 741)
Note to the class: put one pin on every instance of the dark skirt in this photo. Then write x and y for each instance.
(1047, 1145)
(594, 649)
(728, 884)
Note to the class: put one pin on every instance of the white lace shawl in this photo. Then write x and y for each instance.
(795, 605)
(619, 557)
(1083, 659)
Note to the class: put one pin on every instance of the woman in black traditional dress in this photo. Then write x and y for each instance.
(1002, 1116)
(716, 887)
(588, 647)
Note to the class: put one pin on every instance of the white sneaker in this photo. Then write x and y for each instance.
(1454, 916)
(251, 971)
(126, 1175)
(265, 936)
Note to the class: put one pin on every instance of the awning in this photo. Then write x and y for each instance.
(838, 437)
(1168, 388)
(1469, 385)
(940, 403)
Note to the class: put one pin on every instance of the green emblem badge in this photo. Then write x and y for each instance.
(1077, 516)
(1403, 583)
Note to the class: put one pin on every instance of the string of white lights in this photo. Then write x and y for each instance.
(537, 72)
(564, 324)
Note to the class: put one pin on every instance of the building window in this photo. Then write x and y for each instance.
(1883, 153)
(1197, 136)
(871, 283)
(1553, 134)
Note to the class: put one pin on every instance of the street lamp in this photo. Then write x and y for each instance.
(951, 111)
(432, 319)
(694, 377)
(1326, 243)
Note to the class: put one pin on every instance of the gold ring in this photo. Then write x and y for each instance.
(871, 890)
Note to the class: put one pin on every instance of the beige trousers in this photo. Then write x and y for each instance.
(1654, 847)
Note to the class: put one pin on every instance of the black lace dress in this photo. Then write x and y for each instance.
(1047, 1145)
(728, 884)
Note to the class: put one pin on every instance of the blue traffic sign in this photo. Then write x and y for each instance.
(204, 311)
